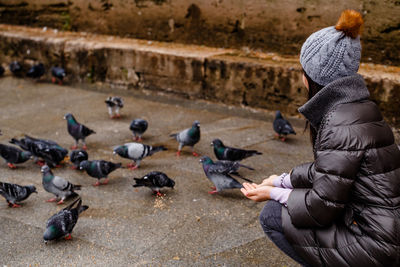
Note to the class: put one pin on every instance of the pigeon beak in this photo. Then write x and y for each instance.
(212, 144)
(45, 242)
(114, 152)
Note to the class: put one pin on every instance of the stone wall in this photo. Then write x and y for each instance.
(264, 25)
(222, 75)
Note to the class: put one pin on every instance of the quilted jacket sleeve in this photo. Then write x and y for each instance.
(330, 179)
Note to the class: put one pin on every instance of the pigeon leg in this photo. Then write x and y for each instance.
(54, 199)
(159, 194)
(84, 144)
(110, 112)
(283, 139)
(213, 192)
(178, 153)
(97, 183)
(139, 138)
(53, 80)
(11, 166)
(105, 182)
(68, 237)
(15, 206)
(194, 153)
(40, 163)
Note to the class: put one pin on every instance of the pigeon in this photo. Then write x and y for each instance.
(230, 167)
(155, 181)
(15, 68)
(62, 223)
(77, 156)
(221, 180)
(99, 169)
(114, 103)
(51, 152)
(58, 74)
(230, 153)
(282, 127)
(136, 152)
(2, 70)
(14, 193)
(77, 131)
(188, 137)
(58, 186)
(36, 71)
(138, 127)
(13, 155)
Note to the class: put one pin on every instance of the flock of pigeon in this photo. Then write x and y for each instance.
(48, 154)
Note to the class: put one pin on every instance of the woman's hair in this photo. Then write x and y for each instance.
(313, 89)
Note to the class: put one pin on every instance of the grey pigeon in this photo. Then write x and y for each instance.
(58, 186)
(99, 169)
(62, 223)
(282, 127)
(138, 127)
(114, 104)
(188, 137)
(155, 181)
(77, 156)
(14, 193)
(13, 155)
(57, 74)
(15, 68)
(36, 71)
(77, 131)
(136, 152)
(52, 153)
(230, 167)
(223, 152)
(220, 179)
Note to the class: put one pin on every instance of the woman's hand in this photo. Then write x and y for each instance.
(269, 181)
(255, 192)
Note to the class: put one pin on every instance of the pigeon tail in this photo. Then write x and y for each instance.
(247, 167)
(240, 176)
(156, 149)
(173, 135)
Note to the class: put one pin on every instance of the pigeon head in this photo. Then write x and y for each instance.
(45, 169)
(206, 160)
(278, 114)
(217, 143)
(170, 183)
(84, 165)
(69, 116)
(31, 189)
(196, 124)
(121, 150)
(51, 233)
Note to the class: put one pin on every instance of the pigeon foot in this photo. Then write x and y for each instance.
(52, 200)
(60, 202)
(14, 205)
(41, 163)
(213, 188)
(195, 154)
(11, 166)
(213, 192)
(159, 194)
(97, 183)
(53, 80)
(74, 147)
(178, 153)
(84, 147)
(68, 237)
(105, 182)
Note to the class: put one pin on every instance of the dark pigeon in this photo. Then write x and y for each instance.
(220, 179)
(58, 186)
(2, 70)
(77, 156)
(282, 127)
(155, 181)
(61, 224)
(13, 155)
(36, 71)
(14, 193)
(230, 153)
(114, 104)
(138, 127)
(188, 137)
(77, 131)
(15, 68)
(52, 153)
(57, 74)
(136, 152)
(99, 169)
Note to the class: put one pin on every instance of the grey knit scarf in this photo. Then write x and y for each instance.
(344, 90)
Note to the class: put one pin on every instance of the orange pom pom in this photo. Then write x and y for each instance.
(350, 22)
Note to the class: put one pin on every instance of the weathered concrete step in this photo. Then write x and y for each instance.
(263, 80)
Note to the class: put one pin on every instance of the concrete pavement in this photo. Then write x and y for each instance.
(128, 226)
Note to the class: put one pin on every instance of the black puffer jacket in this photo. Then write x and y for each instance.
(345, 208)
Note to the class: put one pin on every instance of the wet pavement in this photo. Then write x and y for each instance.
(130, 226)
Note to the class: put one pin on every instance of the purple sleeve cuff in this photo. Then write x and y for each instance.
(280, 194)
(283, 181)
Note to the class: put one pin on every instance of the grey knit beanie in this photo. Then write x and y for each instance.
(333, 52)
